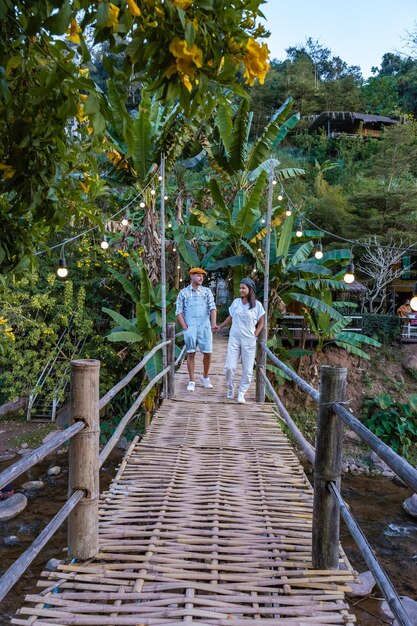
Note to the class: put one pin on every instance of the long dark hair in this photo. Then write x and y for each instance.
(251, 297)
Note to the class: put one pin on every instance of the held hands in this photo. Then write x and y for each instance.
(215, 328)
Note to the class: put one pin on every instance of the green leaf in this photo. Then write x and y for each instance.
(127, 337)
(285, 237)
(58, 23)
(126, 284)
(250, 213)
(143, 323)
(316, 305)
(231, 261)
(225, 124)
(120, 320)
(238, 139)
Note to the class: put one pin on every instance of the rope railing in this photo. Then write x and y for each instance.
(327, 472)
(83, 471)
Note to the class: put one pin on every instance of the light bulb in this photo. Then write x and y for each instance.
(159, 177)
(288, 212)
(62, 270)
(280, 197)
(170, 225)
(142, 204)
(298, 233)
(254, 270)
(153, 192)
(263, 220)
(180, 280)
(349, 276)
(259, 249)
(413, 303)
(274, 182)
(125, 221)
(165, 197)
(174, 249)
(319, 251)
(178, 267)
(104, 244)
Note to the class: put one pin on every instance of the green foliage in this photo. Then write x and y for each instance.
(395, 423)
(384, 328)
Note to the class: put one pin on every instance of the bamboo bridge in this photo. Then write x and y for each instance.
(209, 520)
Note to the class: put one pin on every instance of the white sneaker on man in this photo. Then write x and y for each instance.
(191, 386)
(230, 392)
(206, 382)
(241, 397)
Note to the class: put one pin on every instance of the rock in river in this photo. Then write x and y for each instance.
(12, 506)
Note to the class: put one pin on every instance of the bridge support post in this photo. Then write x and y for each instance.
(84, 459)
(171, 360)
(260, 364)
(327, 468)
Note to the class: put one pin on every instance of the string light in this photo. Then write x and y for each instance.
(281, 194)
(169, 225)
(318, 254)
(153, 192)
(288, 212)
(62, 270)
(349, 276)
(165, 197)
(142, 204)
(299, 231)
(159, 177)
(259, 249)
(104, 244)
(263, 220)
(413, 301)
(178, 267)
(125, 221)
(174, 249)
(274, 182)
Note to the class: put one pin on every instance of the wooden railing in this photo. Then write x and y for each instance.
(326, 459)
(85, 460)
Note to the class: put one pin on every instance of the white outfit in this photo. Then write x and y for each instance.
(242, 342)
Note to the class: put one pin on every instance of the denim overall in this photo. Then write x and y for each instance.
(197, 318)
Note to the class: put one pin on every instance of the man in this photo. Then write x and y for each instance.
(196, 312)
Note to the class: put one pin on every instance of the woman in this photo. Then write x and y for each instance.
(247, 316)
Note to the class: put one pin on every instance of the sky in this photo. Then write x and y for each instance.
(360, 32)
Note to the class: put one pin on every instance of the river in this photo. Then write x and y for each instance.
(375, 502)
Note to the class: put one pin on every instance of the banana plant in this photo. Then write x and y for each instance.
(146, 326)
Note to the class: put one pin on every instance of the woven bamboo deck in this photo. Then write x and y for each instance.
(208, 521)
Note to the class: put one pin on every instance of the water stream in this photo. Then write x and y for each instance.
(375, 502)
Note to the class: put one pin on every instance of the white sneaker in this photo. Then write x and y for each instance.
(230, 392)
(191, 386)
(241, 397)
(206, 382)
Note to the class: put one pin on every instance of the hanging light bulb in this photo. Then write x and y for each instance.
(169, 225)
(349, 276)
(159, 177)
(263, 220)
(153, 192)
(142, 204)
(318, 254)
(413, 301)
(165, 197)
(259, 249)
(178, 267)
(62, 270)
(274, 182)
(288, 212)
(174, 249)
(299, 231)
(125, 221)
(281, 194)
(104, 244)
(180, 280)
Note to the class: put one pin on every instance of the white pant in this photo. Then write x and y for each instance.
(244, 347)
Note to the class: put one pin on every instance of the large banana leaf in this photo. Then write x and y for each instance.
(285, 128)
(231, 261)
(286, 236)
(250, 212)
(317, 305)
(143, 323)
(302, 253)
(357, 337)
(238, 204)
(291, 172)
(262, 147)
(225, 125)
(352, 349)
(154, 365)
(142, 127)
(185, 249)
(215, 251)
(127, 337)
(217, 195)
(310, 268)
(121, 320)
(129, 288)
(147, 296)
(238, 141)
(329, 258)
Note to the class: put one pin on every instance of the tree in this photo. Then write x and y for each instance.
(382, 264)
(182, 50)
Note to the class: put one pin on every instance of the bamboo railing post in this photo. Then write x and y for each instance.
(84, 459)
(327, 467)
(171, 359)
(260, 365)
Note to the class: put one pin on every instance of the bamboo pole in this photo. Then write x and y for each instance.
(171, 360)
(163, 274)
(260, 352)
(84, 459)
(329, 441)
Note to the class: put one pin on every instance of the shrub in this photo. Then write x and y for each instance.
(385, 328)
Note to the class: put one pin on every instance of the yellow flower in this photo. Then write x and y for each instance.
(83, 97)
(255, 61)
(113, 15)
(72, 32)
(133, 8)
(182, 4)
(3, 320)
(81, 116)
(186, 60)
(8, 171)
(84, 71)
(9, 333)
(86, 187)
